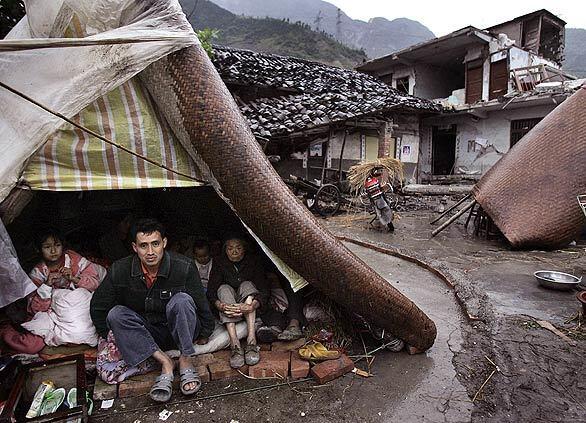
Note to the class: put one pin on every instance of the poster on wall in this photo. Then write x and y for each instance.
(409, 149)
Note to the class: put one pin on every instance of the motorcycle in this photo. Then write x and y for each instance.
(375, 195)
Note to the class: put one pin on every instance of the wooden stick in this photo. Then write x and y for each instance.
(453, 218)
(95, 134)
(451, 208)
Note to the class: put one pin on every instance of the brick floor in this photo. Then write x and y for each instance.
(272, 364)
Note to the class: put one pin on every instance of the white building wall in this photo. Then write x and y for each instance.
(480, 143)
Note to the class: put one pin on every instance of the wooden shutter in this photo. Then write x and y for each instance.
(499, 79)
(474, 82)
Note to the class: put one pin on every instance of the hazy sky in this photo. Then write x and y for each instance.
(446, 16)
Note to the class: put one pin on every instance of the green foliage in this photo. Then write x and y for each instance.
(206, 37)
(11, 11)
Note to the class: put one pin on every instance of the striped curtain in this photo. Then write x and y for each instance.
(72, 160)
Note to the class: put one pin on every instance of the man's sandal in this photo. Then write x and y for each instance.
(187, 376)
(162, 389)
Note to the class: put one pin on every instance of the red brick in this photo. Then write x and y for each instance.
(272, 364)
(222, 370)
(289, 345)
(332, 369)
(222, 355)
(299, 367)
(265, 347)
(203, 359)
(103, 390)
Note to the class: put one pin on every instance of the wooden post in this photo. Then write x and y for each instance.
(450, 209)
(453, 218)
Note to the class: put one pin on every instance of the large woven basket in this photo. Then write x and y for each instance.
(531, 192)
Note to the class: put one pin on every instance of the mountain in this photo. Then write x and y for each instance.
(270, 35)
(575, 61)
(378, 36)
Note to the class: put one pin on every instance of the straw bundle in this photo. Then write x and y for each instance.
(358, 173)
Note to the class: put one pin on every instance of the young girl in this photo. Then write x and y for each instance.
(60, 268)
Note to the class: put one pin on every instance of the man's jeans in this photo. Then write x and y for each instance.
(137, 339)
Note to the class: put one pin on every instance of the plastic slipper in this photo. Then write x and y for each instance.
(317, 352)
(292, 333)
(189, 375)
(52, 401)
(162, 389)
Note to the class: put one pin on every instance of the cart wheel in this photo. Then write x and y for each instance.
(327, 200)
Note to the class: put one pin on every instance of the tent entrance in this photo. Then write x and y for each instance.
(88, 219)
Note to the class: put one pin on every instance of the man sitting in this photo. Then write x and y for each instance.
(154, 301)
(237, 288)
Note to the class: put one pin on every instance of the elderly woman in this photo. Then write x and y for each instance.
(238, 288)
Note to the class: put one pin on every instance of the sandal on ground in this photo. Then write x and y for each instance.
(292, 333)
(237, 357)
(189, 375)
(162, 389)
(252, 354)
(317, 352)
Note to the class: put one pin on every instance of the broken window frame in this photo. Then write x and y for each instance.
(520, 127)
(402, 85)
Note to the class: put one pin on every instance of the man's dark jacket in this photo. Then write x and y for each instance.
(125, 285)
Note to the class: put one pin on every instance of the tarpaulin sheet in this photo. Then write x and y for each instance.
(123, 37)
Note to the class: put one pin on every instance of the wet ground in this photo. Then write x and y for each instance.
(539, 377)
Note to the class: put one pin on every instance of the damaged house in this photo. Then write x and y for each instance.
(310, 114)
(495, 85)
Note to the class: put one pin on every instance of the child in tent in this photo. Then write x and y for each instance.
(59, 269)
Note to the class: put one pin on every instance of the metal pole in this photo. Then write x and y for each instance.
(453, 218)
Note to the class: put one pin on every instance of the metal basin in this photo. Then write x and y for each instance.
(556, 280)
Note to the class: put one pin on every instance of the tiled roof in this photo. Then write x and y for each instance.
(321, 94)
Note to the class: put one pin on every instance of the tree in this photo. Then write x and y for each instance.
(11, 11)
(206, 37)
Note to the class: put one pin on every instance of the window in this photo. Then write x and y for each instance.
(403, 85)
(520, 127)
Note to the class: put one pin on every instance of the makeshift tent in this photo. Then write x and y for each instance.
(123, 38)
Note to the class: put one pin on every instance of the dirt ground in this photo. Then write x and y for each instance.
(540, 376)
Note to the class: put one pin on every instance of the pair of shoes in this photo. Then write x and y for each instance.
(162, 389)
(237, 357)
(252, 354)
(292, 333)
(189, 375)
(71, 402)
(268, 334)
(317, 352)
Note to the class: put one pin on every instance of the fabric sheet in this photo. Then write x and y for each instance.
(14, 282)
(127, 36)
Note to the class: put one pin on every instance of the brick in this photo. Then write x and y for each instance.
(222, 355)
(271, 364)
(203, 359)
(332, 369)
(103, 390)
(141, 384)
(265, 347)
(288, 346)
(299, 368)
(222, 370)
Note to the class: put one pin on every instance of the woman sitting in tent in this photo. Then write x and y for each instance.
(59, 308)
(237, 288)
